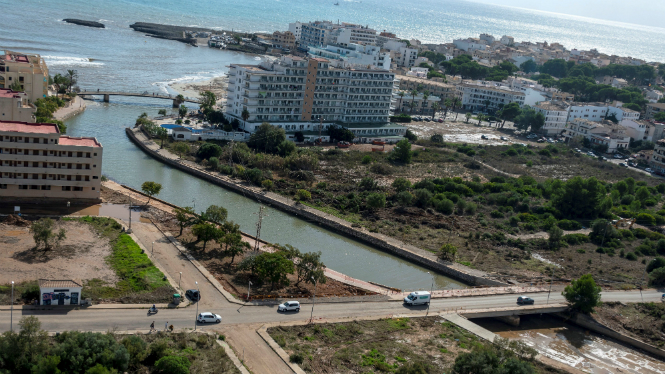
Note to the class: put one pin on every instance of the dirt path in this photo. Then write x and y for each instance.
(258, 355)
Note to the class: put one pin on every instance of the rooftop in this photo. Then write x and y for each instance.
(6, 92)
(33, 128)
(63, 283)
(81, 142)
(550, 105)
(657, 105)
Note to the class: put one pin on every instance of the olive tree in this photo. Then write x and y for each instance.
(151, 189)
(43, 232)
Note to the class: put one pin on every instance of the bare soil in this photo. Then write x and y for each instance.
(643, 321)
(378, 346)
(78, 257)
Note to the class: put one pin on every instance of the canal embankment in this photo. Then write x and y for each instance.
(389, 245)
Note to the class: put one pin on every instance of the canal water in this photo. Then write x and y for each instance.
(575, 346)
(127, 164)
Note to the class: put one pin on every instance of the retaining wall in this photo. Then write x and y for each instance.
(593, 325)
(324, 220)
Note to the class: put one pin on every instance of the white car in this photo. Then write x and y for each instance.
(208, 317)
(648, 170)
(288, 306)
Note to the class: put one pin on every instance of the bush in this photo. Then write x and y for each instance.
(303, 195)
(381, 168)
(575, 239)
(254, 175)
(569, 225)
(401, 184)
(423, 197)
(367, 159)
(376, 200)
(267, 184)
(297, 358)
(657, 277)
(471, 208)
(404, 198)
(302, 175)
(646, 219)
(496, 214)
(173, 365)
(631, 256)
(209, 150)
(656, 263)
(444, 206)
(368, 184)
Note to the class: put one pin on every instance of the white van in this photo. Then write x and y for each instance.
(417, 298)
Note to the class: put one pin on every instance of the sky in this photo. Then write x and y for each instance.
(641, 12)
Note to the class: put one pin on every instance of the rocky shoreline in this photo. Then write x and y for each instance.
(84, 23)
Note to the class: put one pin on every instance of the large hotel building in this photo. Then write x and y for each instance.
(37, 162)
(29, 70)
(297, 93)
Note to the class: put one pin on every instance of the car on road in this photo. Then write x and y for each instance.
(208, 317)
(483, 136)
(440, 120)
(418, 298)
(648, 170)
(616, 155)
(504, 138)
(623, 164)
(193, 295)
(541, 140)
(632, 164)
(289, 306)
(525, 300)
(427, 119)
(578, 150)
(603, 158)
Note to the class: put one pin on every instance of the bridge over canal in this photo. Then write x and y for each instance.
(108, 94)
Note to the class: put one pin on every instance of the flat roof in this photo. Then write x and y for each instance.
(657, 105)
(81, 142)
(386, 125)
(33, 128)
(6, 92)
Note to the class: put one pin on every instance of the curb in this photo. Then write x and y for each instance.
(232, 355)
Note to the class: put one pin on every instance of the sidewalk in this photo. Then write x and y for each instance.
(75, 107)
(256, 353)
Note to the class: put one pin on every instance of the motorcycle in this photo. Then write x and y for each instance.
(152, 311)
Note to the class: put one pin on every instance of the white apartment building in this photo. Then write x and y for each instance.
(29, 70)
(556, 115)
(599, 133)
(297, 93)
(485, 95)
(14, 106)
(488, 38)
(416, 104)
(400, 54)
(653, 96)
(470, 44)
(320, 33)
(37, 162)
(657, 162)
(591, 111)
(317, 33)
(507, 40)
(353, 55)
(623, 113)
(296, 29)
(636, 129)
(354, 34)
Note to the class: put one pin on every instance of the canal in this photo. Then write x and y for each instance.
(127, 164)
(575, 346)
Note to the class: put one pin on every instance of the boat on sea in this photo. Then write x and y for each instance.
(337, 3)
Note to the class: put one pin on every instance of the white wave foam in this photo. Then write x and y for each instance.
(70, 61)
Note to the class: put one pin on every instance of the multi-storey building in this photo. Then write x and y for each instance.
(14, 106)
(36, 161)
(284, 40)
(487, 96)
(599, 133)
(657, 162)
(29, 70)
(294, 92)
(652, 109)
(296, 29)
(436, 88)
(416, 104)
(353, 55)
(317, 33)
(357, 34)
(401, 54)
(636, 129)
(622, 113)
(591, 111)
(556, 115)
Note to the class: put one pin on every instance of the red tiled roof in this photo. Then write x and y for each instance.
(34, 128)
(81, 142)
(6, 92)
(64, 283)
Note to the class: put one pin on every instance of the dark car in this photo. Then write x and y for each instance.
(193, 295)
(523, 300)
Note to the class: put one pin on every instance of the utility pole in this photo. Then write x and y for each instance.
(311, 315)
(550, 291)
(320, 126)
(258, 229)
(231, 154)
(130, 216)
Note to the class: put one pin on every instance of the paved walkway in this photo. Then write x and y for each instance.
(469, 326)
(75, 107)
(258, 356)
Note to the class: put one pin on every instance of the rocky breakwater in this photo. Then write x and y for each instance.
(169, 32)
(84, 23)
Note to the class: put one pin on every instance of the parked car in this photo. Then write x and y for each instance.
(540, 141)
(483, 137)
(632, 164)
(623, 164)
(603, 158)
(503, 138)
(289, 306)
(648, 170)
(616, 155)
(440, 120)
(578, 150)
(208, 317)
(418, 298)
(524, 300)
(193, 295)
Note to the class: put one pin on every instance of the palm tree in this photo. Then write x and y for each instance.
(447, 103)
(467, 115)
(425, 97)
(481, 118)
(401, 96)
(245, 114)
(72, 75)
(411, 105)
(435, 108)
(456, 103)
(414, 93)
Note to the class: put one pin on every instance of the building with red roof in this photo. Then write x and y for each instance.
(38, 162)
(28, 70)
(15, 106)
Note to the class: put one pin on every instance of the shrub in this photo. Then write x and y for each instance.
(444, 206)
(646, 219)
(367, 159)
(631, 256)
(381, 168)
(404, 198)
(302, 195)
(267, 184)
(448, 252)
(529, 163)
(173, 365)
(656, 263)
(569, 225)
(423, 197)
(367, 184)
(401, 184)
(254, 175)
(575, 239)
(297, 358)
(213, 162)
(496, 214)
(657, 277)
(208, 150)
(302, 175)
(545, 152)
(471, 208)
(376, 200)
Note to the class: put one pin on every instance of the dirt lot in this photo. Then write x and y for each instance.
(643, 321)
(77, 258)
(377, 346)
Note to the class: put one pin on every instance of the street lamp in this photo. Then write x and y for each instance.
(130, 216)
(311, 315)
(152, 251)
(430, 294)
(197, 304)
(179, 280)
(249, 289)
(11, 313)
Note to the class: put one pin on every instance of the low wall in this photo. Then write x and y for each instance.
(322, 219)
(593, 325)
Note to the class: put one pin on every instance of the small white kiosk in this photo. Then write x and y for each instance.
(60, 292)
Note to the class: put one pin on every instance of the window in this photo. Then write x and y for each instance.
(93, 188)
(66, 188)
(46, 188)
(34, 187)
(78, 188)
(3, 186)
(23, 187)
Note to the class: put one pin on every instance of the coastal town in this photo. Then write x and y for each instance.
(432, 208)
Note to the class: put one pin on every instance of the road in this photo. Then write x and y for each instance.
(137, 319)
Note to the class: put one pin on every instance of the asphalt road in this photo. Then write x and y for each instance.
(137, 319)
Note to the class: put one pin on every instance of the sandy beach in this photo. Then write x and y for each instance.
(191, 89)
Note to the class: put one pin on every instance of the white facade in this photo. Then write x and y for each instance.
(653, 96)
(605, 133)
(475, 96)
(635, 129)
(623, 113)
(507, 40)
(488, 38)
(418, 72)
(401, 55)
(556, 115)
(296, 29)
(296, 91)
(355, 34)
(591, 111)
(60, 292)
(353, 55)
(470, 44)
